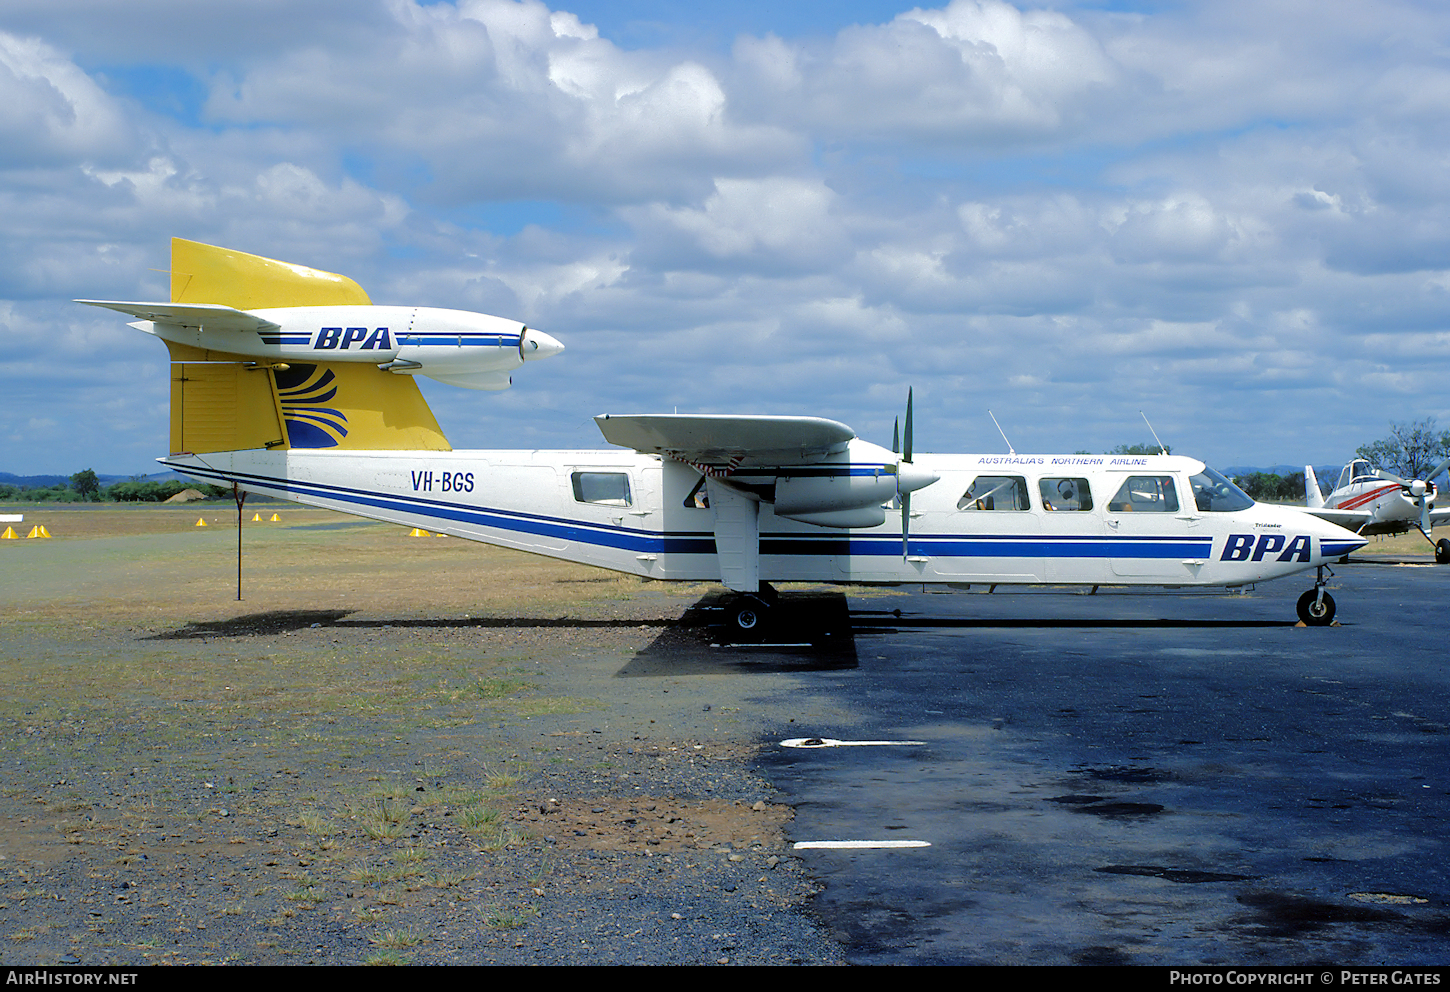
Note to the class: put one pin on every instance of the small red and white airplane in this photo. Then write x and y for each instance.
(1372, 501)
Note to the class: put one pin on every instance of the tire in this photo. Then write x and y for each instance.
(1316, 611)
(1442, 551)
(748, 619)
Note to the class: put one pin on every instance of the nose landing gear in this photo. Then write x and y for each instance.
(1316, 607)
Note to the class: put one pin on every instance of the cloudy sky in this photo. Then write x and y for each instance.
(1232, 216)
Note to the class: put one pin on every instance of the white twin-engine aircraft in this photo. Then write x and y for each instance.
(743, 500)
(1370, 501)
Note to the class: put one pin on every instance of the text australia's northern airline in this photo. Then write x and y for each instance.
(287, 381)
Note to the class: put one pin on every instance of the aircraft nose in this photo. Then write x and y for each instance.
(534, 345)
(1336, 541)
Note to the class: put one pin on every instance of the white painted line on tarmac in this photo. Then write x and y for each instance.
(829, 742)
(837, 845)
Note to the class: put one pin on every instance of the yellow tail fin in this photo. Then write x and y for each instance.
(226, 402)
(207, 274)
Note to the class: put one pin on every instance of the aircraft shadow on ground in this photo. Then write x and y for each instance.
(812, 632)
(284, 621)
(889, 621)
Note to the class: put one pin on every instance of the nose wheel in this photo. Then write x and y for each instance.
(1316, 607)
(1442, 551)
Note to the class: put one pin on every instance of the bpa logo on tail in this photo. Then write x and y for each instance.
(1245, 547)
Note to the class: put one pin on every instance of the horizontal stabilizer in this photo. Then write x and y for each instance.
(709, 438)
(212, 316)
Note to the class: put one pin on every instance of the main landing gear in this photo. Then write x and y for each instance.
(1316, 607)
(751, 614)
(1442, 547)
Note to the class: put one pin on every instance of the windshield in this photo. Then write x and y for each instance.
(1215, 494)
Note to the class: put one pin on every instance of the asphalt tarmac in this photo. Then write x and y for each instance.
(1130, 778)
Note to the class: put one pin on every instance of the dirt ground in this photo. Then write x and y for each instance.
(392, 750)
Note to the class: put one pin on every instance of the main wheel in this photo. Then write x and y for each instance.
(1442, 551)
(748, 618)
(1316, 610)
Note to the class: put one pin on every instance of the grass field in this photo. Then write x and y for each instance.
(362, 752)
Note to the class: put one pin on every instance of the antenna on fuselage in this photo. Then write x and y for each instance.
(1010, 449)
(1161, 450)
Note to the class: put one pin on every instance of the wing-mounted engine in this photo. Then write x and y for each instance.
(811, 470)
(845, 491)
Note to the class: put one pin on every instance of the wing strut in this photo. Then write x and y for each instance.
(737, 536)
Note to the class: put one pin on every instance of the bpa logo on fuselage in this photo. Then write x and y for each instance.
(1244, 547)
(342, 338)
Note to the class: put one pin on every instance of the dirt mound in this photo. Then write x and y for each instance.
(186, 496)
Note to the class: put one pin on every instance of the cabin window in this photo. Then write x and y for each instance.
(1145, 494)
(699, 497)
(607, 488)
(995, 492)
(1214, 494)
(1065, 494)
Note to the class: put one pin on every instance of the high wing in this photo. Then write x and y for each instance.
(724, 439)
(806, 469)
(213, 316)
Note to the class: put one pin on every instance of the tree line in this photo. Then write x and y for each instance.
(1410, 451)
(85, 487)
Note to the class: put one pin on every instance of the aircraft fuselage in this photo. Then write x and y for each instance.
(999, 519)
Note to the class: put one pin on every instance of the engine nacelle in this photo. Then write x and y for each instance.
(861, 516)
(847, 493)
(827, 493)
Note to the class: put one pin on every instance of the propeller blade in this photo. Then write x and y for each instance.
(906, 449)
(905, 496)
(896, 436)
(1390, 476)
(1437, 470)
(905, 524)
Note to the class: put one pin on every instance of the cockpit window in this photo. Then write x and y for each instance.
(1065, 494)
(1145, 494)
(995, 492)
(1356, 471)
(1215, 494)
